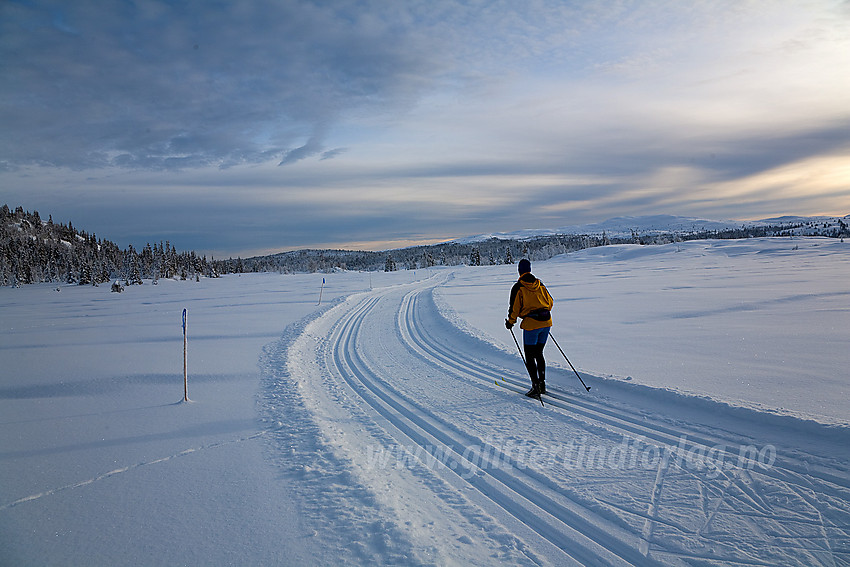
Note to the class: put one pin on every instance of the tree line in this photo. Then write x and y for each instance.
(33, 250)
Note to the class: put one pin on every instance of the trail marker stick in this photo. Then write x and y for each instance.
(320, 292)
(185, 375)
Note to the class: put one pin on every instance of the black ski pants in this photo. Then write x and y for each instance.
(535, 362)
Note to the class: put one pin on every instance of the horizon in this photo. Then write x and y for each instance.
(238, 129)
(590, 229)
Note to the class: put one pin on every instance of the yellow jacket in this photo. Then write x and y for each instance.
(529, 300)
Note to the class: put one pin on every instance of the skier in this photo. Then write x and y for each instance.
(531, 302)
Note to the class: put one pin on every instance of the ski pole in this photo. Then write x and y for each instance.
(516, 342)
(586, 387)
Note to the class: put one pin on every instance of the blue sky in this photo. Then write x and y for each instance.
(237, 128)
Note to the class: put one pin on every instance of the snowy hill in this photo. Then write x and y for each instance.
(662, 224)
(33, 251)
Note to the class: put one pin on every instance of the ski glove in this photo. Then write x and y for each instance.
(508, 324)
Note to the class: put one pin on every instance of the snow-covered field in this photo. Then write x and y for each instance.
(761, 322)
(371, 430)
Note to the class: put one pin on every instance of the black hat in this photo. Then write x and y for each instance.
(524, 266)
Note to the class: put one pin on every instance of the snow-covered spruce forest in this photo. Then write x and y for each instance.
(33, 250)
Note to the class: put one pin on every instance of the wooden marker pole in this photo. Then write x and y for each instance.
(320, 291)
(185, 375)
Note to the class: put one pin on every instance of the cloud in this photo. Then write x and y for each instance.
(172, 85)
(298, 122)
(330, 154)
(311, 148)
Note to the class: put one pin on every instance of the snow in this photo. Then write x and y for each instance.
(371, 429)
(750, 322)
(624, 227)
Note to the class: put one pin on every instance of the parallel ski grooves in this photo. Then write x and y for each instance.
(546, 517)
(668, 437)
(547, 513)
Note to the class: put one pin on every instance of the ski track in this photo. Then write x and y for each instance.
(439, 449)
(129, 468)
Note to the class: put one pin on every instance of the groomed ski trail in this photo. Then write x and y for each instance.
(466, 472)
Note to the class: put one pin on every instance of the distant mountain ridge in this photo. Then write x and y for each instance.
(32, 250)
(657, 224)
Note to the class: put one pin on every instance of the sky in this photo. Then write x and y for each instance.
(249, 127)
